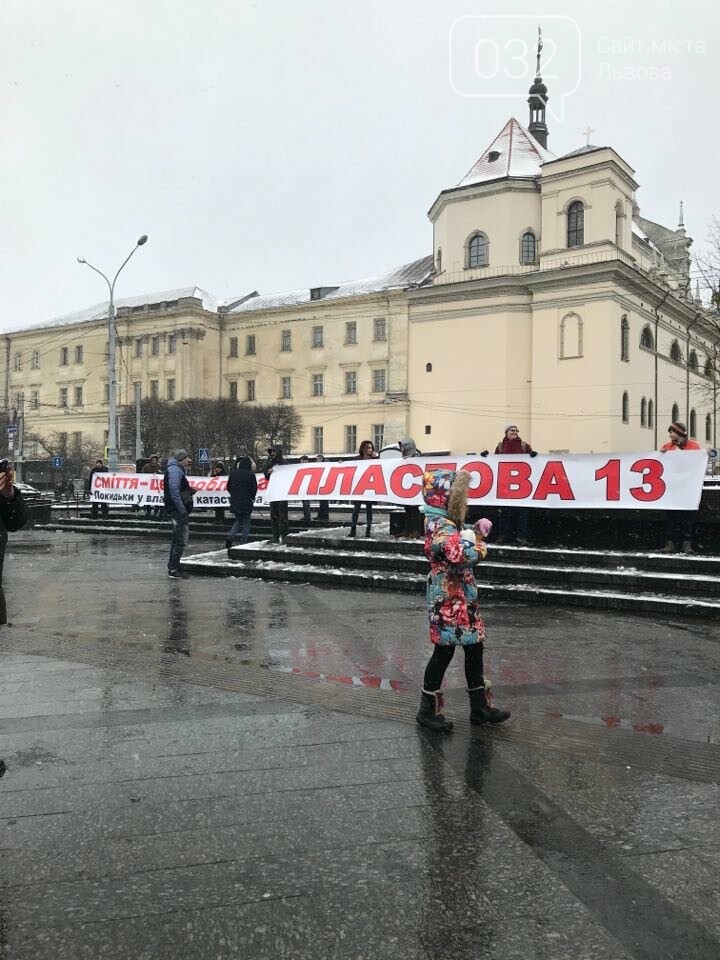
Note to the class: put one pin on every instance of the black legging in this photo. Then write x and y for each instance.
(356, 514)
(440, 661)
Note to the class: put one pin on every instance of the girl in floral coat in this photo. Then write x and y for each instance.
(455, 620)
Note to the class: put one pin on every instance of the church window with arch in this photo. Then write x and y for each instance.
(643, 412)
(693, 361)
(625, 407)
(675, 413)
(528, 248)
(708, 429)
(624, 338)
(576, 224)
(675, 352)
(477, 250)
(693, 424)
(647, 341)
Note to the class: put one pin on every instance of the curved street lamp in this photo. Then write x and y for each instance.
(112, 383)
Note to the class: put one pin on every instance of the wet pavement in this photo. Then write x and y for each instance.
(217, 768)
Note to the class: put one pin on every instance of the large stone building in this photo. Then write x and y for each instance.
(548, 301)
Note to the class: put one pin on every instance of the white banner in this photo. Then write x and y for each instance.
(649, 481)
(146, 490)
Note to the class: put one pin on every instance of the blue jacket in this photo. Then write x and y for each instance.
(175, 483)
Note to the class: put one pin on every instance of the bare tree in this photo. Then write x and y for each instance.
(279, 423)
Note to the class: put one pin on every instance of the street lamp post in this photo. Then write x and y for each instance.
(112, 399)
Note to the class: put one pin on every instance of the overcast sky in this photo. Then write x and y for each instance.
(274, 144)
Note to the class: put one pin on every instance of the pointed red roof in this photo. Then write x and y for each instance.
(513, 153)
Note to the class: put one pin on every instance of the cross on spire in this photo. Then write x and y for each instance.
(539, 50)
(586, 133)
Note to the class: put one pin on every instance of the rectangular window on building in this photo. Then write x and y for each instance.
(34, 399)
(170, 389)
(154, 389)
(62, 441)
(318, 384)
(63, 397)
(250, 345)
(18, 361)
(172, 343)
(378, 381)
(351, 381)
(286, 388)
(379, 329)
(155, 347)
(79, 353)
(233, 347)
(77, 438)
(233, 389)
(318, 440)
(63, 356)
(350, 439)
(378, 435)
(286, 341)
(351, 332)
(138, 348)
(106, 393)
(251, 389)
(35, 360)
(317, 337)
(78, 396)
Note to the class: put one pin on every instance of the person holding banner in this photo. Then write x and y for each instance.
(413, 520)
(178, 500)
(452, 598)
(98, 468)
(679, 524)
(278, 508)
(514, 520)
(242, 490)
(366, 452)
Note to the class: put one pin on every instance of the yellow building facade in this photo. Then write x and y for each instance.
(548, 301)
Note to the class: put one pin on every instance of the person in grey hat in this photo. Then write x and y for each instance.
(178, 500)
(414, 522)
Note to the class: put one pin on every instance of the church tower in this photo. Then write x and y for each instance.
(537, 102)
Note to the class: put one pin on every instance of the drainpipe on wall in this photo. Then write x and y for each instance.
(657, 326)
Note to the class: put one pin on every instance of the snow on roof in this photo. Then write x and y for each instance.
(99, 310)
(518, 155)
(408, 275)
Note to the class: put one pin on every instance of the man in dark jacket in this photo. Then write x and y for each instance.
(278, 508)
(242, 490)
(98, 468)
(178, 500)
(13, 516)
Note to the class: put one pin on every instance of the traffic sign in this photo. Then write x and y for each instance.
(57, 463)
(11, 430)
(203, 455)
(713, 454)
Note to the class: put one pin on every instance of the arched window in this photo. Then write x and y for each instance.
(571, 336)
(528, 248)
(675, 415)
(477, 251)
(576, 224)
(619, 217)
(708, 429)
(708, 367)
(675, 352)
(651, 414)
(625, 408)
(624, 338)
(693, 424)
(438, 261)
(646, 338)
(693, 361)
(643, 412)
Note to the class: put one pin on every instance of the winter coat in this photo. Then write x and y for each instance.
(514, 445)
(270, 463)
(177, 492)
(688, 445)
(242, 486)
(88, 482)
(452, 596)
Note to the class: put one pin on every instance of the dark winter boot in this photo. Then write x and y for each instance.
(228, 543)
(368, 531)
(353, 532)
(481, 708)
(430, 713)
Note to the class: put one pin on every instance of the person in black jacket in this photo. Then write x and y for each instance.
(98, 468)
(242, 490)
(278, 508)
(13, 516)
